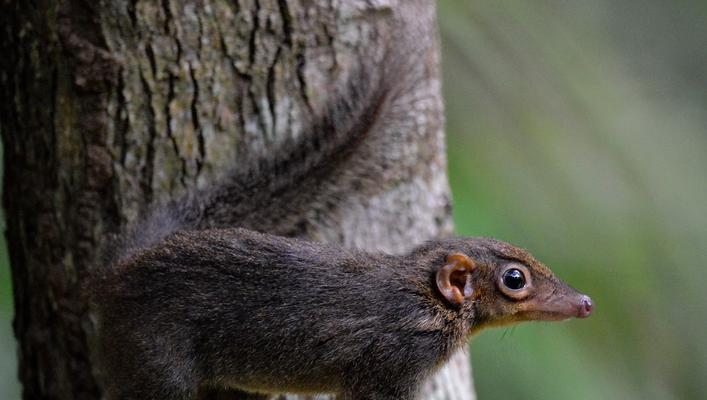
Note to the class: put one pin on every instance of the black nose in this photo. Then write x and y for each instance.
(585, 307)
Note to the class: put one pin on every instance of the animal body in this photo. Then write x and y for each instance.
(267, 314)
(195, 297)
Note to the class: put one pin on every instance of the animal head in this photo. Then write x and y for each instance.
(501, 284)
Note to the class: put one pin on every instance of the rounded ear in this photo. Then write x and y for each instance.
(454, 278)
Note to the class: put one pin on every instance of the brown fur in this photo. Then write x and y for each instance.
(262, 313)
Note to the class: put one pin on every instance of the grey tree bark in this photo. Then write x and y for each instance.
(109, 107)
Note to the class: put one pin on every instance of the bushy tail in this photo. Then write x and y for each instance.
(269, 194)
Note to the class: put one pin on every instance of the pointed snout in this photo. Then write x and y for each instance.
(577, 305)
(561, 305)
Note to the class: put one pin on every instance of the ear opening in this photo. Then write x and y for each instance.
(454, 278)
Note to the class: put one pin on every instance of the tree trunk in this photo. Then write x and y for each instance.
(110, 107)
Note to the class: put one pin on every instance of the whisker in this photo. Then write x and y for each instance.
(505, 332)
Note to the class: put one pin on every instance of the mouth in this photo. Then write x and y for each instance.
(573, 305)
(546, 316)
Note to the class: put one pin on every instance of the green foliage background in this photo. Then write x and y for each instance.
(577, 129)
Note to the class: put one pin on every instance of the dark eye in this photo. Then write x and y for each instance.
(514, 279)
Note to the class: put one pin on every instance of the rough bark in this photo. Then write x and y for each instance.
(110, 107)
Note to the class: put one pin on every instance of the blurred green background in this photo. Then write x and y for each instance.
(577, 129)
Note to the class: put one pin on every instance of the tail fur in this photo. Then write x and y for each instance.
(268, 194)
